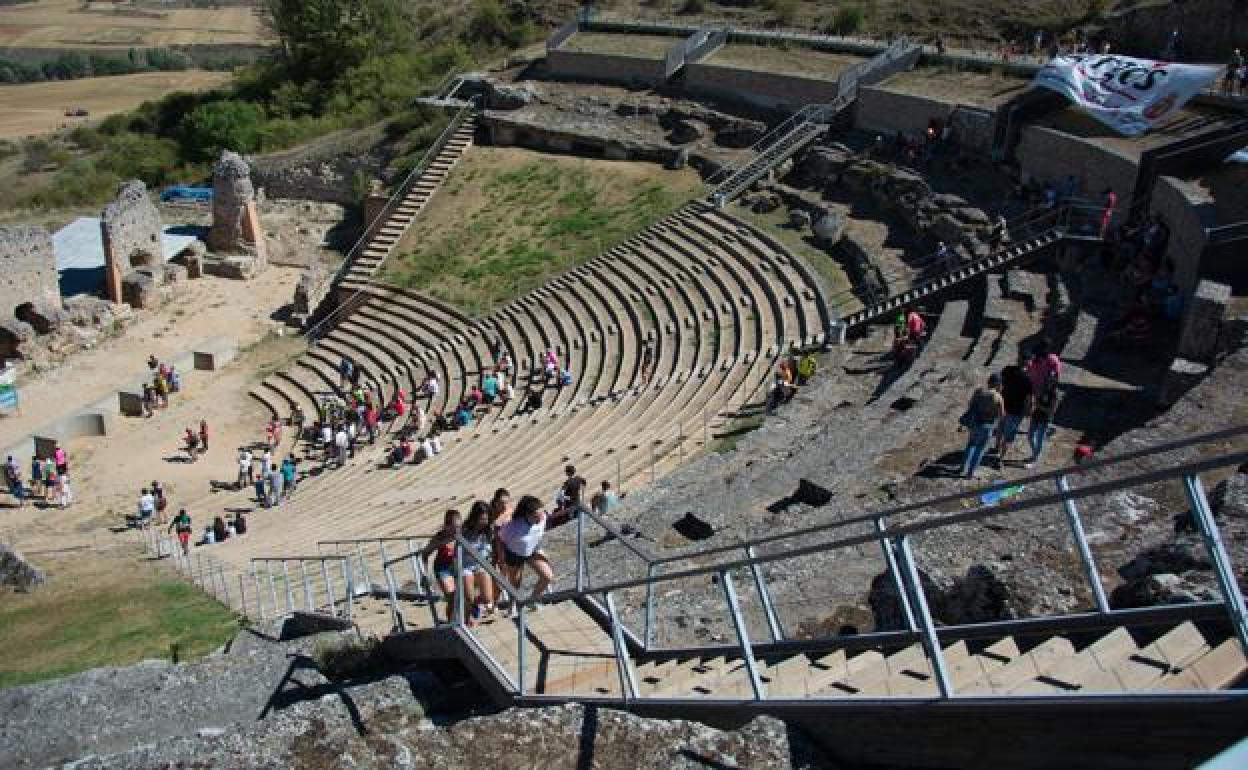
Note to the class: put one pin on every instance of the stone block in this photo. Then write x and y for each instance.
(1198, 336)
(130, 404)
(238, 268)
(173, 274)
(140, 290)
(1182, 376)
(214, 354)
(1233, 335)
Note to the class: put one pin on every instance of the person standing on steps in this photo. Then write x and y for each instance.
(203, 436)
(182, 524)
(982, 415)
(346, 367)
(442, 546)
(13, 476)
(288, 476)
(276, 485)
(61, 459)
(521, 539)
(246, 474)
(36, 477)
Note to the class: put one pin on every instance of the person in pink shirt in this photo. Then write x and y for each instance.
(1043, 365)
(61, 459)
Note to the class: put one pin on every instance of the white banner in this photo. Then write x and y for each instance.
(1127, 94)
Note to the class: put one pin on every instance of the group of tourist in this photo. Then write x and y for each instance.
(909, 334)
(508, 539)
(219, 531)
(1135, 254)
(49, 479)
(195, 442)
(792, 372)
(1028, 389)
(164, 379)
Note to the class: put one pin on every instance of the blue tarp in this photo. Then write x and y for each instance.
(184, 193)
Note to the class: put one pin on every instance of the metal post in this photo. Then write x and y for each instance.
(329, 585)
(651, 462)
(259, 604)
(395, 615)
(225, 587)
(242, 594)
(930, 640)
(307, 586)
(891, 561)
(623, 661)
(418, 567)
(580, 551)
(385, 563)
(272, 591)
(648, 632)
(1081, 542)
(348, 580)
(760, 585)
(743, 636)
(459, 585)
(1231, 595)
(520, 634)
(290, 597)
(359, 555)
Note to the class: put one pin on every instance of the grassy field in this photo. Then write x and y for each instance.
(39, 108)
(75, 24)
(104, 610)
(639, 46)
(508, 220)
(787, 61)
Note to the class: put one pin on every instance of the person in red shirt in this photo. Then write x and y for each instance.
(915, 326)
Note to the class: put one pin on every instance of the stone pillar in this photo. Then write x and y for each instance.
(1198, 338)
(27, 271)
(235, 225)
(130, 227)
(112, 267)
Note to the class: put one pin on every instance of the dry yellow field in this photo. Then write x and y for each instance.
(39, 108)
(66, 24)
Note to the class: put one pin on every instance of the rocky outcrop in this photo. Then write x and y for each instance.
(978, 596)
(266, 705)
(16, 572)
(235, 225)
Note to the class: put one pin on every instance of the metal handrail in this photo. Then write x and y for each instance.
(307, 593)
(312, 333)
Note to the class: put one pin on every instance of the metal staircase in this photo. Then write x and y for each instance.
(1030, 234)
(779, 145)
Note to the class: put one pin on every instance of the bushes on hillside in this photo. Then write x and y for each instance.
(72, 65)
(226, 124)
(847, 20)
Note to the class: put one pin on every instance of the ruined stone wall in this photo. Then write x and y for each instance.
(1187, 212)
(27, 270)
(130, 227)
(887, 112)
(603, 68)
(762, 89)
(235, 225)
(1048, 155)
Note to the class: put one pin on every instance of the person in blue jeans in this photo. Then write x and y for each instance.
(1043, 408)
(1017, 396)
(982, 415)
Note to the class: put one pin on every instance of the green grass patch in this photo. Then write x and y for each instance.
(507, 220)
(105, 610)
(726, 439)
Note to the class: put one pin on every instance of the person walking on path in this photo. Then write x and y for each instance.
(262, 496)
(36, 477)
(288, 476)
(1044, 407)
(981, 418)
(13, 476)
(203, 436)
(246, 474)
(182, 524)
(61, 459)
(147, 507)
(65, 493)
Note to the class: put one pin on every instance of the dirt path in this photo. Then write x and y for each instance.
(108, 472)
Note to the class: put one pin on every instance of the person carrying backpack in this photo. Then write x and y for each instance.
(982, 414)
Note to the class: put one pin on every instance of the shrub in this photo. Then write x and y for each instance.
(217, 126)
(785, 10)
(693, 6)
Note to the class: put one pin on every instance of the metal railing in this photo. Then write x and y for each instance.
(317, 330)
(204, 571)
(892, 531)
(284, 585)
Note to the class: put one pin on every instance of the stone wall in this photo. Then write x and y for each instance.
(27, 270)
(1210, 28)
(1048, 155)
(760, 89)
(131, 228)
(603, 68)
(235, 225)
(328, 180)
(1187, 211)
(887, 112)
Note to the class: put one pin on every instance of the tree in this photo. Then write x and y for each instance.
(218, 126)
(320, 38)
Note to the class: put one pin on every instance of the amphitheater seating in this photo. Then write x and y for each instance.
(718, 300)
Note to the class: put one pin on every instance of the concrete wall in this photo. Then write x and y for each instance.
(603, 68)
(1188, 212)
(762, 89)
(27, 270)
(1046, 154)
(882, 111)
